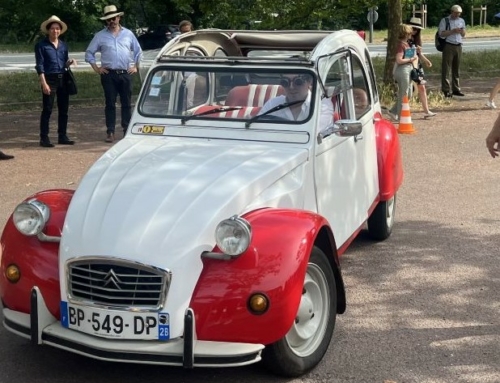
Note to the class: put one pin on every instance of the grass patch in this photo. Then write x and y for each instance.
(21, 90)
(477, 64)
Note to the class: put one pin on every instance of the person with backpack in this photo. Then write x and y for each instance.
(452, 28)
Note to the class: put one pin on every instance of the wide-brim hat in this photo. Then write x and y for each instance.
(53, 19)
(416, 22)
(110, 11)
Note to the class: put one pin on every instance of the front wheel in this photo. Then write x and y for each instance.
(306, 342)
(381, 221)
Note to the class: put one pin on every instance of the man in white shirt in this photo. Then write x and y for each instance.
(297, 90)
(452, 52)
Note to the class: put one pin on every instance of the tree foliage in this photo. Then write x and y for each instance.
(20, 20)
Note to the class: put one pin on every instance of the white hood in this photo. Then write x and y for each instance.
(158, 200)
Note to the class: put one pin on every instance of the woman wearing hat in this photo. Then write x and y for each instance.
(416, 40)
(120, 57)
(52, 59)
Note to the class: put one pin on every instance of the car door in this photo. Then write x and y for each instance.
(346, 176)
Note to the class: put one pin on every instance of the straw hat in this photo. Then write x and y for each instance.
(456, 8)
(416, 22)
(110, 11)
(50, 20)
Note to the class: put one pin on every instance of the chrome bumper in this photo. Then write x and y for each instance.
(43, 329)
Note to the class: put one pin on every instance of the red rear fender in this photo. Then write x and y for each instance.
(390, 163)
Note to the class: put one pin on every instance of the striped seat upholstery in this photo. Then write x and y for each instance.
(253, 94)
(245, 112)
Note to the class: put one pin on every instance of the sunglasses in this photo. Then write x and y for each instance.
(296, 81)
(111, 19)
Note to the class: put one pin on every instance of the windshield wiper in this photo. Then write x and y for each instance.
(211, 111)
(272, 110)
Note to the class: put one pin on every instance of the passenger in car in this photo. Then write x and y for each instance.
(360, 101)
(196, 90)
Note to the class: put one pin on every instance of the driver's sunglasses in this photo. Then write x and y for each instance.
(296, 81)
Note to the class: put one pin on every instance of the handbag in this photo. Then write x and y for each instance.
(71, 83)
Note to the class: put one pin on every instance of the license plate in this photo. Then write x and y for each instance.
(114, 323)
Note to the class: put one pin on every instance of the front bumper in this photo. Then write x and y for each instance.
(43, 329)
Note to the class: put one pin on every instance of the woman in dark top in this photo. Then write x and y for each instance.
(51, 56)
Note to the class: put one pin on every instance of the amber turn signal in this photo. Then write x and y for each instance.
(12, 273)
(258, 303)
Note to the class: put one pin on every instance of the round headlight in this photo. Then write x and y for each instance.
(30, 217)
(233, 236)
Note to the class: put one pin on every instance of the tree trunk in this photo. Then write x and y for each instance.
(394, 19)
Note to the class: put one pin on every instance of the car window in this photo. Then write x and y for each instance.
(202, 92)
(371, 76)
(338, 84)
(360, 90)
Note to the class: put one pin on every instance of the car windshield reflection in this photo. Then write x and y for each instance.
(199, 93)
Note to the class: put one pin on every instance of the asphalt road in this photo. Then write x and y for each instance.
(26, 61)
(423, 306)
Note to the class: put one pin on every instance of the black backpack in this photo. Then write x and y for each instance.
(439, 42)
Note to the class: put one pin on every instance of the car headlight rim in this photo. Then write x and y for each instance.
(233, 236)
(30, 217)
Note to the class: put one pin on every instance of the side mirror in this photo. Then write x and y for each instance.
(342, 128)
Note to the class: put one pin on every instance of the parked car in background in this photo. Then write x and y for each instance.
(211, 234)
(158, 36)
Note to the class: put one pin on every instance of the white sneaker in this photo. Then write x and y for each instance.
(430, 114)
(491, 104)
(392, 116)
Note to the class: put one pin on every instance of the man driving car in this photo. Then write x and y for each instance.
(298, 93)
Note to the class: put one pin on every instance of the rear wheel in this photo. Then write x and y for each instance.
(306, 342)
(381, 221)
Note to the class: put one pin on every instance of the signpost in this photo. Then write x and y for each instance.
(372, 19)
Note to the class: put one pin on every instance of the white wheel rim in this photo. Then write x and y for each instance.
(389, 214)
(311, 321)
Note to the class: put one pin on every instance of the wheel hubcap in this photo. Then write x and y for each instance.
(312, 317)
(389, 214)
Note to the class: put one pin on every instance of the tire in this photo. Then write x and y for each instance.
(381, 222)
(308, 339)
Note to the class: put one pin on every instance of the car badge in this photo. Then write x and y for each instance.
(112, 279)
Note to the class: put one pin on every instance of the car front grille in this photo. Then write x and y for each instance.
(117, 283)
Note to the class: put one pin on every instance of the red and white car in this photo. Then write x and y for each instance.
(210, 235)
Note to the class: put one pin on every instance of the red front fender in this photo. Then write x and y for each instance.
(37, 261)
(389, 160)
(275, 264)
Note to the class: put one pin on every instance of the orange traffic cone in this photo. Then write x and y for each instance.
(405, 124)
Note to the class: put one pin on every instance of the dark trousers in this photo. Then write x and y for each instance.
(57, 88)
(115, 84)
(452, 56)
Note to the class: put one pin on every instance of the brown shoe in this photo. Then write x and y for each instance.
(110, 138)
(4, 156)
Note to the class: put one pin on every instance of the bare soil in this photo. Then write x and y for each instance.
(35, 168)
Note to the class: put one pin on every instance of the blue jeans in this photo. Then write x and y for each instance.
(115, 84)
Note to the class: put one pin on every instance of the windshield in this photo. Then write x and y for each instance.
(272, 96)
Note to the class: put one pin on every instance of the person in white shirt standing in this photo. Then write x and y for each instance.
(453, 29)
(120, 57)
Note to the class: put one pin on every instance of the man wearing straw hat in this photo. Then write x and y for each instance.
(120, 57)
(51, 55)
